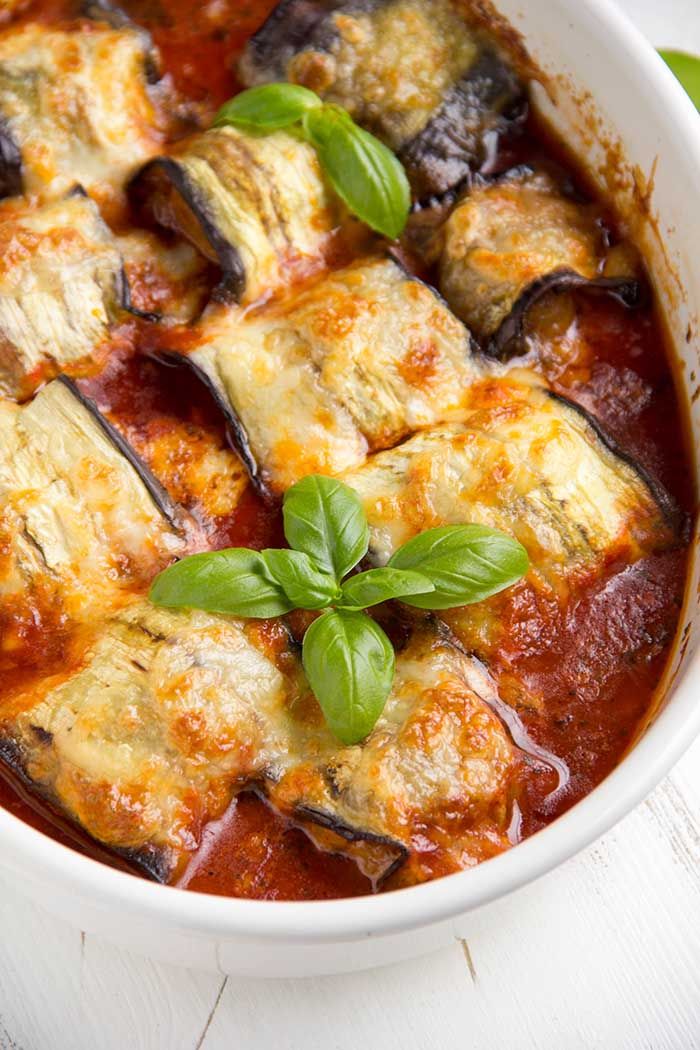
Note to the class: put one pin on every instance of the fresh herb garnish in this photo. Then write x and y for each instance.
(348, 658)
(365, 174)
(687, 69)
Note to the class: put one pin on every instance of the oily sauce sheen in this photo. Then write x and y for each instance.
(596, 663)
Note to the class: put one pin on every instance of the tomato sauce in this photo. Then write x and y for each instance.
(596, 663)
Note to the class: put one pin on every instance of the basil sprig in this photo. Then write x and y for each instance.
(687, 68)
(364, 173)
(348, 659)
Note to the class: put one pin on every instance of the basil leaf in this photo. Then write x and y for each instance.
(466, 564)
(380, 585)
(362, 170)
(231, 581)
(267, 107)
(325, 519)
(349, 662)
(687, 70)
(304, 584)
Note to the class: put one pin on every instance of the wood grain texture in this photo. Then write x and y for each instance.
(603, 953)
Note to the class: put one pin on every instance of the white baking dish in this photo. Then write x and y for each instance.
(605, 89)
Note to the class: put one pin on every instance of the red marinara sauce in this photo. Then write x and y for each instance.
(597, 694)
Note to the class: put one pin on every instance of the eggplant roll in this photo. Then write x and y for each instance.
(165, 715)
(530, 463)
(62, 284)
(510, 243)
(81, 518)
(168, 714)
(356, 363)
(257, 205)
(439, 768)
(412, 72)
(75, 107)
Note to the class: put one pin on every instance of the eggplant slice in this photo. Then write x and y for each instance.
(512, 242)
(62, 284)
(81, 517)
(356, 363)
(531, 464)
(257, 205)
(75, 106)
(413, 72)
(168, 714)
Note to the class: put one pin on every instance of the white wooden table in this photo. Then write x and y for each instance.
(603, 953)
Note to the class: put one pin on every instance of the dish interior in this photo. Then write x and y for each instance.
(558, 391)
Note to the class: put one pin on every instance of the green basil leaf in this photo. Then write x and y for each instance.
(381, 585)
(233, 581)
(267, 107)
(466, 564)
(687, 69)
(304, 584)
(325, 519)
(362, 170)
(349, 662)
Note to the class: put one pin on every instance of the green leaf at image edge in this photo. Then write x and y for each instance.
(267, 108)
(687, 69)
(362, 170)
(349, 662)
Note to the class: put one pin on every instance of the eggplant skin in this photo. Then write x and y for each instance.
(258, 206)
(510, 243)
(82, 519)
(531, 464)
(357, 362)
(62, 285)
(412, 72)
(75, 106)
(437, 749)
